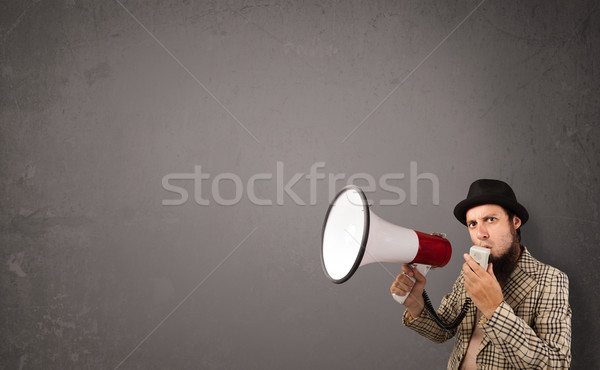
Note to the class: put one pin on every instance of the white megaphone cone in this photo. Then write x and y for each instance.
(354, 236)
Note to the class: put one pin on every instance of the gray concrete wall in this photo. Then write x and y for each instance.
(103, 101)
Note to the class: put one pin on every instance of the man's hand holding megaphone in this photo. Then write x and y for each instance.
(403, 284)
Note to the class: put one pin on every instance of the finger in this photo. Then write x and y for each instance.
(469, 278)
(468, 272)
(400, 290)
(407, 270)
(466, 266)
(398, 277)
(403, 278)
(473, 264)
(468, 258)
(405, 284)
(402, 282)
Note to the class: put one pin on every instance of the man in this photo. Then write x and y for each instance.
(519, 316)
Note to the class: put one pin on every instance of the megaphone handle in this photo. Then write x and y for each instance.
(423, 269)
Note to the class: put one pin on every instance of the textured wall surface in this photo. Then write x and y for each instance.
(234, 102)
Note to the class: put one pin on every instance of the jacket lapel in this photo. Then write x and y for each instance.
(518, 287)
(466, 327)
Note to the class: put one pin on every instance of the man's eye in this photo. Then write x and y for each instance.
(471, 224)
(491, 219)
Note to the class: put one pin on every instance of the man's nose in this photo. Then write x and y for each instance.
(482, 233)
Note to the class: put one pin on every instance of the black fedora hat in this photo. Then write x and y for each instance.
(486, 191)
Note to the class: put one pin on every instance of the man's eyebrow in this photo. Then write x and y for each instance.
(489, 215)
(494, 214)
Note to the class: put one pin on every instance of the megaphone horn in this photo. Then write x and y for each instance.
(354, 236)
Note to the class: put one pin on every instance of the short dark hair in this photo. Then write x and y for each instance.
(511, 216)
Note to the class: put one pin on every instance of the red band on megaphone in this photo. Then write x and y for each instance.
(433, 250)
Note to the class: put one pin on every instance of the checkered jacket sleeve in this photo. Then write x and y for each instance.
(448, 310)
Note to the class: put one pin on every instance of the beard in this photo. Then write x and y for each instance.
(505, 264)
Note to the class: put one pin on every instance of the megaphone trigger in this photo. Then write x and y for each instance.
(423, 269)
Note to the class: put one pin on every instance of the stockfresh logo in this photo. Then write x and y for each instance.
(207, 189)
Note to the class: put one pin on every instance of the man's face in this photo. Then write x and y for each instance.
(490, 227)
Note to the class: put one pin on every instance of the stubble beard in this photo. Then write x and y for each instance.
(505, 264)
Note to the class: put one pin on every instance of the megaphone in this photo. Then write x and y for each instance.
(354, 236)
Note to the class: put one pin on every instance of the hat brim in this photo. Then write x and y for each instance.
(460, 211)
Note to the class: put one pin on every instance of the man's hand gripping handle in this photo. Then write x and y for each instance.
(423, 269)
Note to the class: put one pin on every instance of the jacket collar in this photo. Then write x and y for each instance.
(521, 281)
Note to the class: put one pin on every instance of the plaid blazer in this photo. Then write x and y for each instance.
(531, 329)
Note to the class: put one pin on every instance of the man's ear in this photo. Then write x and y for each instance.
(516, 221)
